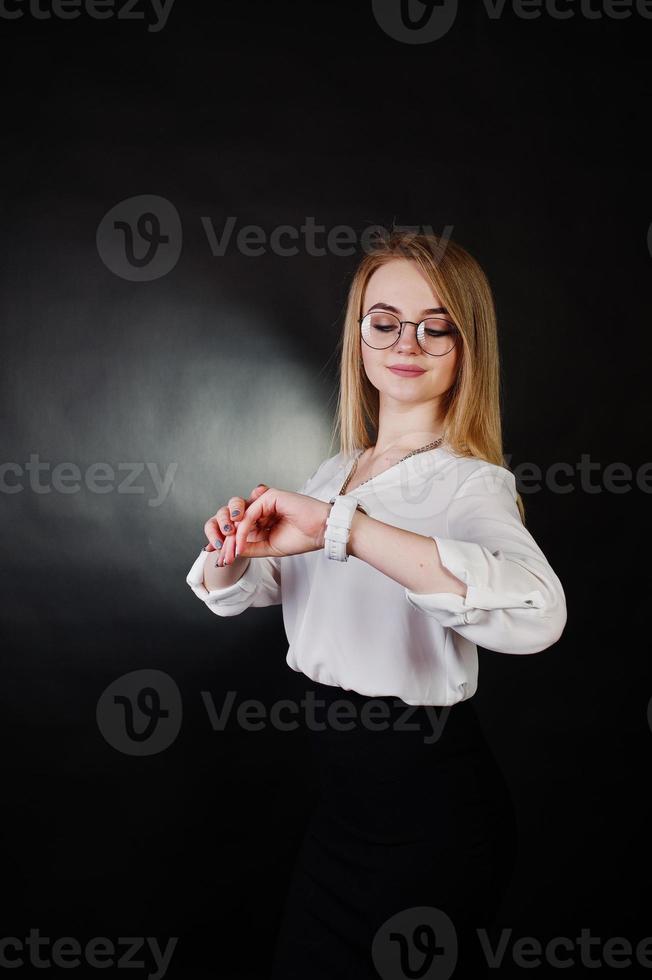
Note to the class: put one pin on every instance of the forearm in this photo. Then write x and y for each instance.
(222, 578)
(410, 559)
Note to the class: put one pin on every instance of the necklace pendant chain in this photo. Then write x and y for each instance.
(413, 452)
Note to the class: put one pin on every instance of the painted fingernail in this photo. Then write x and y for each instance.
(234, 513)
(218, 544)
(227, 527)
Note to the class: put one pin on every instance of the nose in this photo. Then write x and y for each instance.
(408, 339)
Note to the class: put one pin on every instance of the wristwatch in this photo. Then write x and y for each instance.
(338, 525)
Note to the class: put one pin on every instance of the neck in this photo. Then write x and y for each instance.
(402, 428)
(404, 445)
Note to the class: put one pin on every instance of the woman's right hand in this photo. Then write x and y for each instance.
(221, 527)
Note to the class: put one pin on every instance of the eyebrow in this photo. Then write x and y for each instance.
(393, 309)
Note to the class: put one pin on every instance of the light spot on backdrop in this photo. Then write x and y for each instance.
(169, 398)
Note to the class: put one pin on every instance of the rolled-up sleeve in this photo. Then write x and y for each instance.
(259, 585)
(514, 601)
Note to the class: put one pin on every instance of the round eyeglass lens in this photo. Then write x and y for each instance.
(437, 335)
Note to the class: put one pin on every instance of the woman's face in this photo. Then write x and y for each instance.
(401, 285)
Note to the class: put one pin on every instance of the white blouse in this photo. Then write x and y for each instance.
(351, 626)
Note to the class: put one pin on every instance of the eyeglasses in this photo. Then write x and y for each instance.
(436, 335)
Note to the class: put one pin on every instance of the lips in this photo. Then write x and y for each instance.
(407, 371)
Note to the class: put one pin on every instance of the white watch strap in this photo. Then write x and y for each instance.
(338, 526)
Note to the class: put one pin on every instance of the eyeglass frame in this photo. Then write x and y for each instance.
(455, 332)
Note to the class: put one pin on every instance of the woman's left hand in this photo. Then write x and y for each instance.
(283, 523)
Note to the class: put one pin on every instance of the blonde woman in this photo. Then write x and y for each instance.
(398, 557)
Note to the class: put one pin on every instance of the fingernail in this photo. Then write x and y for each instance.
(234, 513)
(236, 552)
(218, 544)
(227, 527)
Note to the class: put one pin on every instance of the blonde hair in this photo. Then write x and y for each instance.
(472, 406)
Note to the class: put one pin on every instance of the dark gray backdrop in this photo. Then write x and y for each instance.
(521, 135)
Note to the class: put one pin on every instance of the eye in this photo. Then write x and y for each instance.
(438, 327)
(383, 322)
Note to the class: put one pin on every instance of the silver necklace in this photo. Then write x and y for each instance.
(413, 452)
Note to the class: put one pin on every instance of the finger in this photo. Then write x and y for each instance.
(236, 507)
(256, 492)
(214, 528)
(229, 555)
(219, 527)
(213, 533)
(228, 527)
(256, 511)
(227, 549)
(255, 549)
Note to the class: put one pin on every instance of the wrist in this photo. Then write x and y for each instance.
(354, 534)
(335, 536)
(322, 528)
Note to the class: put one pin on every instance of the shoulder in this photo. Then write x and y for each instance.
(476, 475)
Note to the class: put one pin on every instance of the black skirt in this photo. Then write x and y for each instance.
(409, 848)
